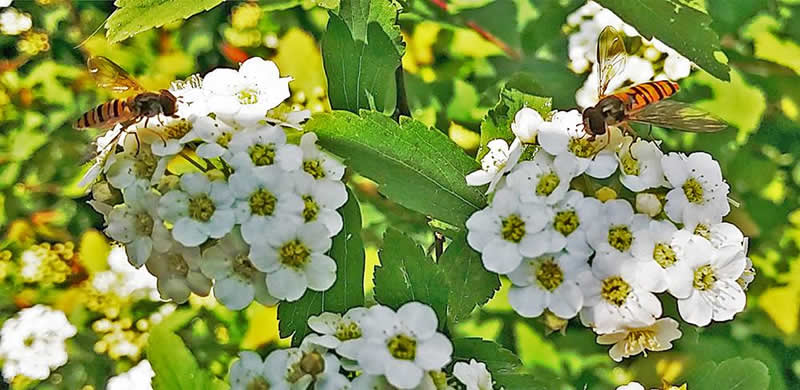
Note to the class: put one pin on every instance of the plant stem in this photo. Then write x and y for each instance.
(193, 162)
(402, 98)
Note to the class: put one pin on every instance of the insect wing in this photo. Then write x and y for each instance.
(109, 75)
(679, 116)
(611, 57)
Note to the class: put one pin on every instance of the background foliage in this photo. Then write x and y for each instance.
(456, 57)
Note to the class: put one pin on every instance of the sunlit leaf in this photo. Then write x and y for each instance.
(135, 16)
(174, 365)
(470, 284)
(732, 374)
(93, 251)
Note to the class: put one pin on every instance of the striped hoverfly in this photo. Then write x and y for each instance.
(641, 103)
(141, 104)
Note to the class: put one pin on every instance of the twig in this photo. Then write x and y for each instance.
(402, 97)
(191, 160)
(511, 52)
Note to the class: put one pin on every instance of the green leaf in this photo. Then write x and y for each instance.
(680, 27)
(174, 365)
(360, 73)
(358, 14)
(407, 275)
(470, 284)
(415, 166)
(135, 16)
(499, 361)
(497, 123)
(348, 289)
(732, 374)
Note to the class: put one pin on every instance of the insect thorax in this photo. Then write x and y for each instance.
(152, 103)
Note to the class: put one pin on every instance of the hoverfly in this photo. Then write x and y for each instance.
(642, 103)
(142, 104)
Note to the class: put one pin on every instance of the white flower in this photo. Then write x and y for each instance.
(698, 187)
(342, 333)
(640, 165)
(719, 234)
(321, 198)
(137, 225)
(124, 280)
(506, 231)
(263, 146)
(247, 94)
(169, 137)
(318, 164)
(33, 342)
(178, 273)
(215, 134)
(236, 281)
(544, 179)
(403, 345)
(572, 217)
(297, 368)
(135, 165)
(631, 386)
(379, 382)
(13, 22)
(250, 372)
(616, 293)
(474, 375)
(648, 204)
(137, 378)
(265, 201)
(653, 244)
(564, 134)
(5, 3)
(31, 265)
(548, 282)
(498, 161)
(199, 210)
(677, 67)
(612, 233)
(635, 340)
(526, 124)
(294, 259)
(715, 294)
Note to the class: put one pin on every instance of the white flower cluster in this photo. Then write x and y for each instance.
(33, 342)
(217, 195)
(569, 245)
(390, 349)
(657, 60)
(137, 378)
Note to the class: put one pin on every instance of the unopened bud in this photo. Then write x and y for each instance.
(605, 194)
(648, 204)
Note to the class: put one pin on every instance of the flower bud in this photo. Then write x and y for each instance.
(648, 204)
(526, 125)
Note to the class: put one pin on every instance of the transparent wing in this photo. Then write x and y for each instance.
(109, 75)
(679, 116)
(611, 57)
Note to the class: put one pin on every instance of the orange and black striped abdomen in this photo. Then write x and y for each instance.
(106, 115)
(640, 95)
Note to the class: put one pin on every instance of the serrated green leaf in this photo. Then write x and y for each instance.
(358, 72)
(499, 360)
(680, 27)
(731, 374)
(407, 275)
(174, 365)
(358, 14)
(470, 284)
(497, 123)
(348, 289)
(415, 166)
(135, 16)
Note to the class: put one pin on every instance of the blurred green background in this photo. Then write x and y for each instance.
(452, 76)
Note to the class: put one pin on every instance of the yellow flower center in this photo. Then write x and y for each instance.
(703, 231)
(177, 129)
(402, 347)
(145, 165)
(641, 339)
(664, 255)
(177, 264)
(294, 254)
(549, 274)
(258, 383)
(581, 147)
(242, 266)
(629, 165)
(262, 154)
(615, 290)
(547, 184)
(566, 222)
(704, 278)
(314, 168)
(348, 330)
(247, 96)
(262, 202)
(513, 228)
(311, 208)
(693, 190)
(620, 237)
(224, 139)
(144, 224)
(312, 363)
(201, 208)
